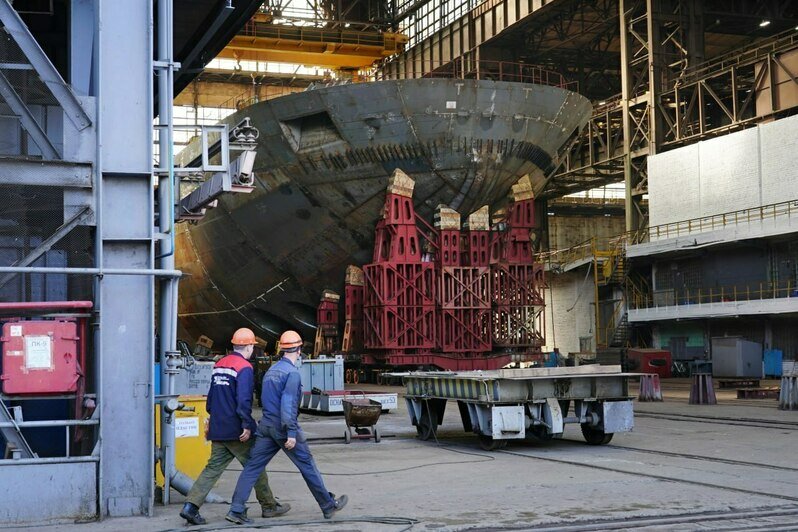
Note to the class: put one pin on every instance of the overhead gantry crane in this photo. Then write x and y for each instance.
(321, 39)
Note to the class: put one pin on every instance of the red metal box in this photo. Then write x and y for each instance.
(39, 357)
(650, 361)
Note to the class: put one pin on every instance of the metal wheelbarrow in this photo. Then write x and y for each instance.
(361, 416)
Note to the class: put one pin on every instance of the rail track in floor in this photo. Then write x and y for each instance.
(741, 422)
(775, 519)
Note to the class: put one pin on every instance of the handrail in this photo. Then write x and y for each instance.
(716, 221)
(580, 251)
(725, 294)
(464, 68)
(604, 247)
(607, 333)
(753, 53)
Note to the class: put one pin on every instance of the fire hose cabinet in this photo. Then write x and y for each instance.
(39, 357)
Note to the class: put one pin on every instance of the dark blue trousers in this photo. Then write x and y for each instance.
(268, 441)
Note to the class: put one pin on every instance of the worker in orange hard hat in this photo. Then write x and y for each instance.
(243, 337)
(290, 340)
(279, 429)
(230, 429)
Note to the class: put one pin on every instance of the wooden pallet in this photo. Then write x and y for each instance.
(758, 393)
(738, 383)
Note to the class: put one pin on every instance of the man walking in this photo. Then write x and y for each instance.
(279, 429)
(230, 429)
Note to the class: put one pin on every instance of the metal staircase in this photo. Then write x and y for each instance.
(618, 273)
(622, 333)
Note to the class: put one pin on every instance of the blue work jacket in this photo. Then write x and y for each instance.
(230, 398)
(282, 390)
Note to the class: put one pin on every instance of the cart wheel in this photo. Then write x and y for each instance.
(489, 444)
(540, 433)
(347, 437)
(428, 424)
(376, 435)
(594, 436)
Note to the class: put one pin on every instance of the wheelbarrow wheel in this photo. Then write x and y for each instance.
(376, 435)
(347, 436)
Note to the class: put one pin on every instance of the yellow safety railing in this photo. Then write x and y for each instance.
(700, 296)
(562, 257)
(785, 210)
(637, 288)
(602, 248)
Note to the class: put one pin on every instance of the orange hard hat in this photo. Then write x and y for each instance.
(243, 336)
(290, 340)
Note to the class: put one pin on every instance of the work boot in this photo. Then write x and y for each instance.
(239, 518)
(340, 502)
(277, 510)
(191, 514)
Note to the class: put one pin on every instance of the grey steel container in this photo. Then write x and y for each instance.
(733, 356)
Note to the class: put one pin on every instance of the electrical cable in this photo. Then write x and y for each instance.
(551, 311)
(581, 288)
(409, 522)
(485, 458)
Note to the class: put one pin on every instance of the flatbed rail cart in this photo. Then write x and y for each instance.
(517, 404)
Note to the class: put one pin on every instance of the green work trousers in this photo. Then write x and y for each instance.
(222, 453)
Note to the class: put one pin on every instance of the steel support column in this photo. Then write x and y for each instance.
(125, 226)
(659, 40)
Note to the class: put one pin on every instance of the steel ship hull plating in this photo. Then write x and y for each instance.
(323, 160)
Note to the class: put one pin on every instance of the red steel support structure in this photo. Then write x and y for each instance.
(516, 280)
(456, 301)
(463, 293)
(478, 239)
(399, 299)
(326, 324)
(353, 310)
(465, 310)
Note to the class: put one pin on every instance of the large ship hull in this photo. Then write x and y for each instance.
(324, 156)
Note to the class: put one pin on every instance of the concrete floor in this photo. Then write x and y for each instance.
(726, 467)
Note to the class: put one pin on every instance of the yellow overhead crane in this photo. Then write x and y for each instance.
(338, 49)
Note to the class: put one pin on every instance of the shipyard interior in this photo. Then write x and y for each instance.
(533, 262)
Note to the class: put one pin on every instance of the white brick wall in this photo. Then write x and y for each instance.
(729, 173)
(564, 327)
(673, 179)
(779, 160)
(754, 167)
